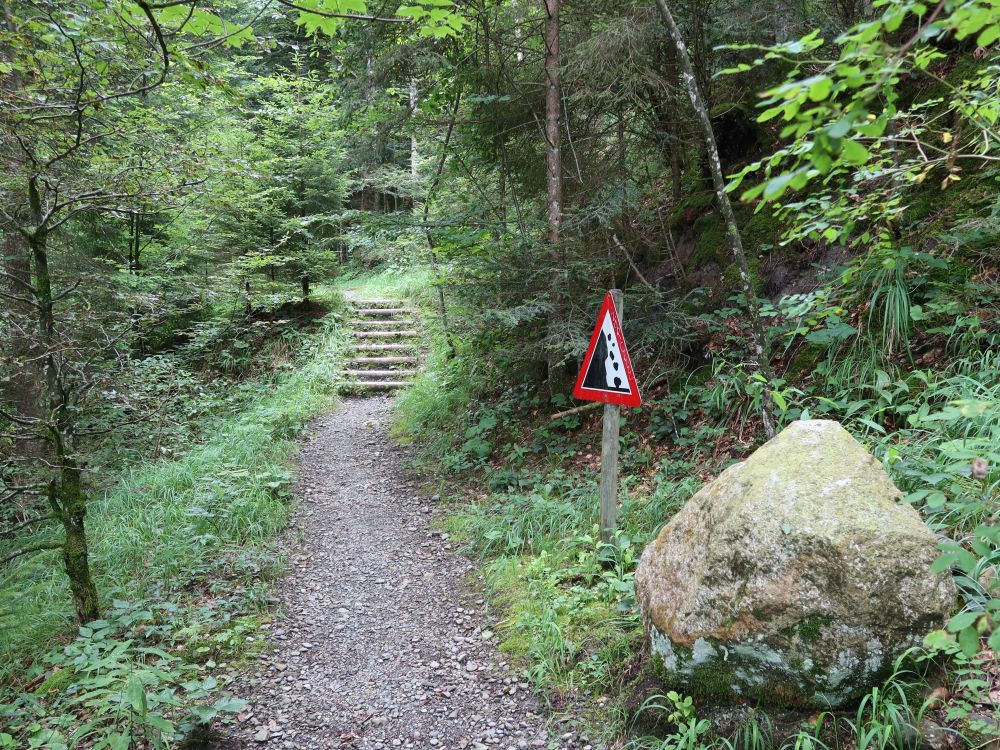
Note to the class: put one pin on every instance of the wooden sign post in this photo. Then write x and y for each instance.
(607, 376)
(609, 457)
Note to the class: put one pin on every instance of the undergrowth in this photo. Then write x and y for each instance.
(182, 553)
(566, 602)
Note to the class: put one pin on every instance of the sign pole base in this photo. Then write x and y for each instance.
(609, 473)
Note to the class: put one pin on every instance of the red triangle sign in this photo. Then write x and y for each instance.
(606, 374)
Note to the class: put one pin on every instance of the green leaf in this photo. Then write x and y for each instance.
(230, 704)
(968, 641)
(936, 500)
(779, 400)
(839, 129)
(994, 640)
(820, 89)
(963, 620)
(989, 35)
(204, 714)
(776, 186)
(939, 640)
(854, 152)
(135, 695)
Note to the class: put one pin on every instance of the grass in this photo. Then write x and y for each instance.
(196, 526)
(412, 284)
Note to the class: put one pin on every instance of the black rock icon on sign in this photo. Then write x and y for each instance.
(605, 372)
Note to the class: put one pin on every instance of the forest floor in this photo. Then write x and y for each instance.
(382, 642)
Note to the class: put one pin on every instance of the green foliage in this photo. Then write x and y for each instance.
(433, 18)
(679, 711)
(125, 675)
(165, 527)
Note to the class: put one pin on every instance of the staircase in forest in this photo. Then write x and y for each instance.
(386, 346)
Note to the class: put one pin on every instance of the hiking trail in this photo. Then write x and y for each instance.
(380, 641)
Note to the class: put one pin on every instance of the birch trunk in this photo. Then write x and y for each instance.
(759, 350)
(414, 152)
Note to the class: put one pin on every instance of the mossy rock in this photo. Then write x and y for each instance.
(759, 230)
(928, 201)
(794, 579)
(711, 245)
(692, 204)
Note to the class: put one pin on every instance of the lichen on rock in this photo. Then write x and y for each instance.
(795, 578)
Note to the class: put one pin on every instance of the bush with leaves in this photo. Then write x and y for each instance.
(124, 682)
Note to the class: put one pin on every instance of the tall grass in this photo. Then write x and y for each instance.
(179, 524)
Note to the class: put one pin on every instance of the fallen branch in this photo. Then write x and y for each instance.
(576, 410)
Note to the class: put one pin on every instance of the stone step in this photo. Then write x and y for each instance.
(402, 360)
(381, 373)
(382, 311)
(385, 334)
(382, 347)
(380, 385)
(376, 303)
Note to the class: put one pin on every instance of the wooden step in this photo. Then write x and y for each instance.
(380, 373)
(381, 385)
(379, 361)
(402, 360)
(376, 302)
(384, 323)
(379, 311)
(385, 334)
(382, 347)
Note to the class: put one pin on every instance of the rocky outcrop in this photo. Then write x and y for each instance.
(795, 578)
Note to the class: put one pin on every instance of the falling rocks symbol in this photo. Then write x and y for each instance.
(606, 371)
(606, 374)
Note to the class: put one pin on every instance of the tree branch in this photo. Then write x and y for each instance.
(631, 262)
(41, 547)
(349, 16)
(14, 529)
(158, 32)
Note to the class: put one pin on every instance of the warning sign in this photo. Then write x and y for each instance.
(606, 374)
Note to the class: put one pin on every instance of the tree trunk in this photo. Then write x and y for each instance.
(66, 496)
(674, 126)
(21, 389)
(16, 260)
(76, 557)
(553, 112)
(759, 354)
(414, 152)
(305, 287)
(553, 176)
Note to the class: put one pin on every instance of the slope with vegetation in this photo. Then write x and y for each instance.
(799, 200)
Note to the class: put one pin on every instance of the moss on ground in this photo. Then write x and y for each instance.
(56, 683)
(710, 246)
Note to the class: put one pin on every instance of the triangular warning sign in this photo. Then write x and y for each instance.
(606, 374)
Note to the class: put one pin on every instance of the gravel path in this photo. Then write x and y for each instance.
(382, 645)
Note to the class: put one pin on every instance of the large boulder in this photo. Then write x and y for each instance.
(795, 578)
